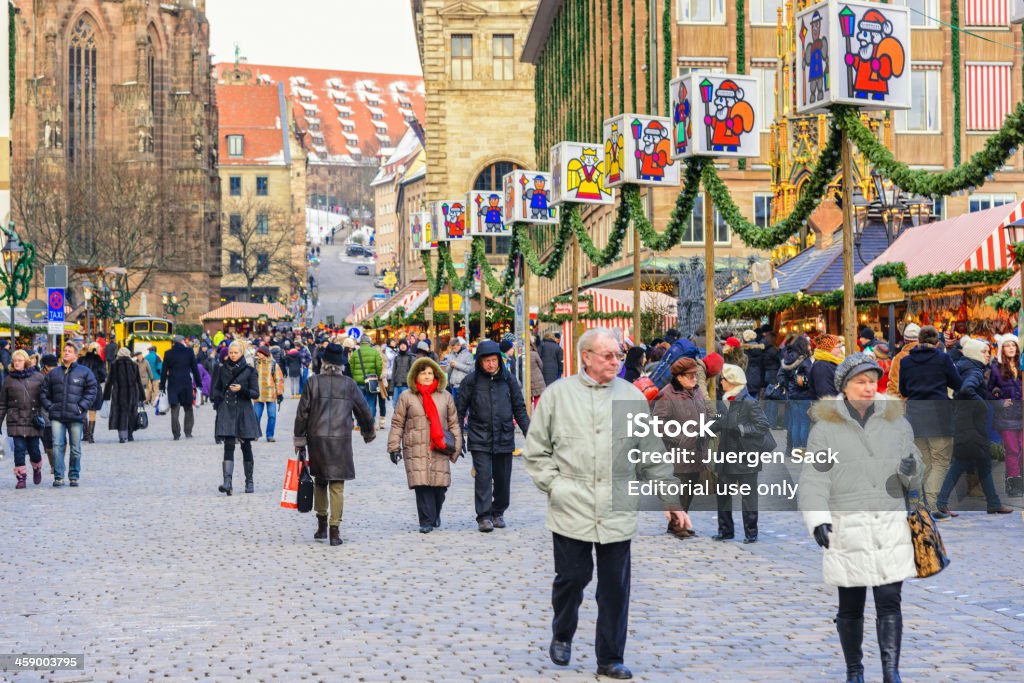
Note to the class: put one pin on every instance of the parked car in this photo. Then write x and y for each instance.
(362, 270)
(379, 283)
(355, 250)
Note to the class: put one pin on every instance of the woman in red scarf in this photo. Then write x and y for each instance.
(418, 426)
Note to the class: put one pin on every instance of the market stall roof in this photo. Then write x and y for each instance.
(816, 270)
(658, 266)
(1013, 284)
(363, 311)
(971, 241)
(242, 310)
(410, 298)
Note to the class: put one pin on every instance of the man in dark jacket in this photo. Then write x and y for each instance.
(552, 358)
(754, 350)
(399, 371)
(490, 397)
(828, 354)
(68, 393)
(180, 370)
(926, 375)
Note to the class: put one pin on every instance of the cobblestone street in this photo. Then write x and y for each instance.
(152, 575)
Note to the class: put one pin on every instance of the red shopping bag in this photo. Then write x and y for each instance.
(290, 490)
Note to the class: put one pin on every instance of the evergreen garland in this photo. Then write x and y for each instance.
(1004, 301)
(521, 238)
(896, 269)
(610, 253)
(668, 52)
(998, 149)
(766, 238)
(681, 214)
(954, 52)
(1017, 249)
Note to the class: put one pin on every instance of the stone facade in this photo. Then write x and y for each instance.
(126, 81)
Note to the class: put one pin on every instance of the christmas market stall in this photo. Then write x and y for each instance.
(245, 318)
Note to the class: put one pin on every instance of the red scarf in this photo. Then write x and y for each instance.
(436, 430)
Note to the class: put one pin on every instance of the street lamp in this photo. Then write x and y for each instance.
(17, 271)
(174, 304)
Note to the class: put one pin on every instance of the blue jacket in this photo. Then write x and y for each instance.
(68, 394)
(823, 379)
(795, 365)
(154, 362)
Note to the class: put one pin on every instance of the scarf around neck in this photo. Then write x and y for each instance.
(430, 408)
(825, 355)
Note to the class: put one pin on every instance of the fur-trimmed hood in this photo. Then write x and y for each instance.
(419, 364)
(833, 409)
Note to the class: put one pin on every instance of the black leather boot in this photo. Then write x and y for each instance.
(90, 429)
(248, 465)
(851, 636)
(890, 637)
(229, 470)
(335, 536)
(321, 528)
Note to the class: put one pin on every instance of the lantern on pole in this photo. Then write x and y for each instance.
(638, 150)
(727, 105)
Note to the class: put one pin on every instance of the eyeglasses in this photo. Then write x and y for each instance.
(608, 357)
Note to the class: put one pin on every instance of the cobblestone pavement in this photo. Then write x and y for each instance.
(153, 575)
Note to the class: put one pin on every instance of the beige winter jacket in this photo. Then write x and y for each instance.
(410, 430)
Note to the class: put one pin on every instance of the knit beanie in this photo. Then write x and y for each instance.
(911, 331)
(733, 374)
(828, 342)
(713, 363)
(1005, 339)
(733, 342)
(853, 365)
(749, 336)
(974, 348)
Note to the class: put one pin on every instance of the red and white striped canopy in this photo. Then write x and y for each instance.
(971, 241)
(614, 301)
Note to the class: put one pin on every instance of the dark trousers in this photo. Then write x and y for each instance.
(189, 420)
(888, 599)
(429, 501)
(492, 483)
(229, 449)
(749, 505)
(574, 567)
(691, 478)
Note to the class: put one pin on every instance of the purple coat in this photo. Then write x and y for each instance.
(205, 380)
(1001, 388)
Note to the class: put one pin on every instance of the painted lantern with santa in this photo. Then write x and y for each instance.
(715, 115)
(853, 53)
(638, 150)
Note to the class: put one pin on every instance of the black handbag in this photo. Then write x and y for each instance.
(449, 443)
(304, 500)
(141, 418)
(774, 392)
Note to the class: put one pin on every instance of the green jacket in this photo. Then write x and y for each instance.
(372, 363)
(576, 452)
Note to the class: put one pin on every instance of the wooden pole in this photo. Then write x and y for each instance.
(636, 285)
(527, 341)
(575, 264)
(483, 309)
(849, 307)
(709, 280)
(451, 313)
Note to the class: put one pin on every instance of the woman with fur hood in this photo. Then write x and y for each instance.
(855, 508)
(423, 414)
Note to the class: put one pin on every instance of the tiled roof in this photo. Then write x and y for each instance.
(255, 112)
(340, 98)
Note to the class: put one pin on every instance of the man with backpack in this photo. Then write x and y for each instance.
(366, 365)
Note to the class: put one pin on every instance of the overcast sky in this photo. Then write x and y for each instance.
(350, 35)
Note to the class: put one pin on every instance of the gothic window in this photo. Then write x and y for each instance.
(81, 137)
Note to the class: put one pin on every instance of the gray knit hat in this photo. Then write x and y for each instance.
(853, 365)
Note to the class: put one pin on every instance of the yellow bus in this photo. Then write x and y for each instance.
(140, 332)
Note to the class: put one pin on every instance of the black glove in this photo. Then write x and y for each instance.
(280, 399)
(368, 436)
(908, 465)
(395, 456)
(821, 533)
(465, 449)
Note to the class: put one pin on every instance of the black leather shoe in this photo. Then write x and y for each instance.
(617, 671)
(426, 528)
(498, 521)
(750, 539)
(560, 652)
(437, 522)
(723, 537)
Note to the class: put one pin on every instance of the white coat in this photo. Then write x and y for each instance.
(861, 495)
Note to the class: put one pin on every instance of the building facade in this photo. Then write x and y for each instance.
(263, 185)
(479, 121)
(614, 56)
(390, 204)
(119, 90)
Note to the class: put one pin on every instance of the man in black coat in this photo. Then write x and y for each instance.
(180, 370)
(490, 397)
(67, 395)
(551, 358)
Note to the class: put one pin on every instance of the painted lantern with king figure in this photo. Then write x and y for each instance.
(578, 174)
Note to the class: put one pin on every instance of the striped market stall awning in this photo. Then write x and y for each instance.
(362, 312)
(616, 301)
(971, 241)
(243, 310)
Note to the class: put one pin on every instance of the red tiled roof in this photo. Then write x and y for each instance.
(253, 111)
(317, 94)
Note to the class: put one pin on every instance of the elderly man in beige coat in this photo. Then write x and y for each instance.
(578, 457)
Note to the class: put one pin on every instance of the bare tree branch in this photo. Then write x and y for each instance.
(259, 242)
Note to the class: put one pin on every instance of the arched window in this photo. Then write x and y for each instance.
(81, 137)
(489, 180)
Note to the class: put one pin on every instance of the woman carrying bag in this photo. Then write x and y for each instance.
(852, 511)
(234, 390)
(20, 407)
(425, 431)
(323, 427)
(125, 391)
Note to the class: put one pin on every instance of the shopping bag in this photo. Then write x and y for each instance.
(290, 490)
(162, 404)
(304, 498)
(105, 411)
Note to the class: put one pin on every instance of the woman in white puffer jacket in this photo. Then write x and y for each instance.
(855, 508)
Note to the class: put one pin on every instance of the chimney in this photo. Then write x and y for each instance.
(825, 221)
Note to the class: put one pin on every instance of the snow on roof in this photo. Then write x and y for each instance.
(351, 137)
(309, 107)
(337, 95)
(347, 122)
(335, 82)
(377, 111)
(354, 149)
(383, 138)
(343, 109)
(265, 78)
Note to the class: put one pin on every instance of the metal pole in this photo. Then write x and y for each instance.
(849, 307)
(709, 281)
(13, 346)
(575, 264)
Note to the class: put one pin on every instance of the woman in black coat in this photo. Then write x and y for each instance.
(125, 392)
(235, 386)
(971, 450)
(742, 426)
(93, 361)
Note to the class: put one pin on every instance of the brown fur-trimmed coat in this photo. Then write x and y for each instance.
(410, 430)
